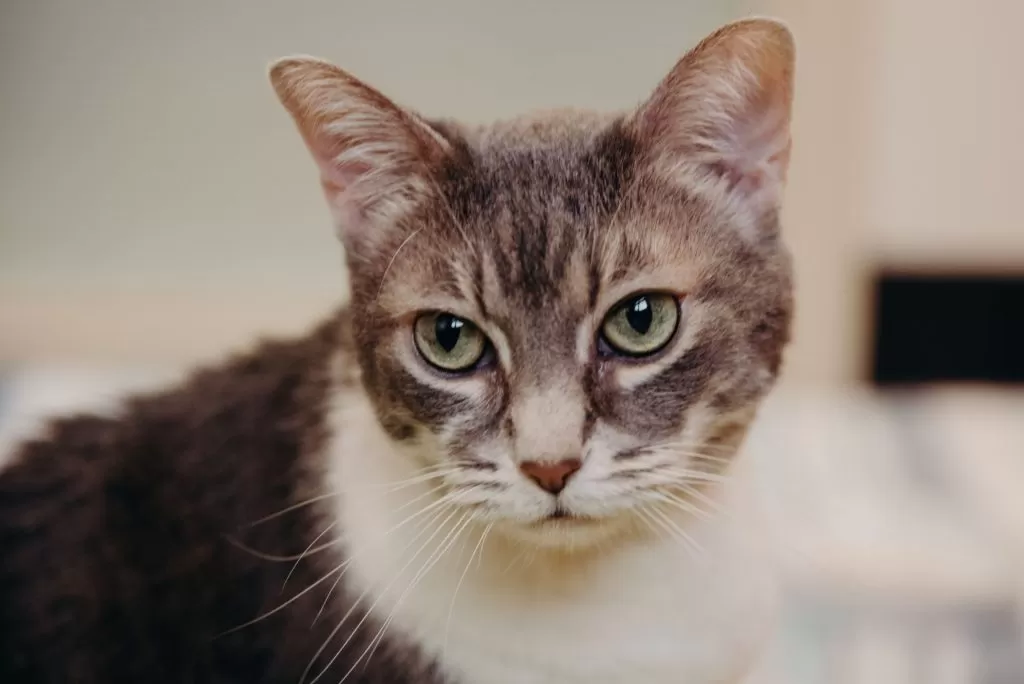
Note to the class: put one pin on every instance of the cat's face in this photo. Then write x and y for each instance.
(570, 318)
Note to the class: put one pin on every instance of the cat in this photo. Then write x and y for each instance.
(509, 458)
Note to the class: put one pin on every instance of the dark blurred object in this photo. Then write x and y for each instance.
(934, 328)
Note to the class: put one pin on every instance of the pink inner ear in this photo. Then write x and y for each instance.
(348, 211)
(339, 178)
(737, 178)
(744, 139)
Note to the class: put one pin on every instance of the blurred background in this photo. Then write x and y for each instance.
(158, 209)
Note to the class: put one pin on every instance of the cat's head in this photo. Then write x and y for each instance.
(572, 317)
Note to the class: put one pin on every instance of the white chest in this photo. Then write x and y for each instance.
(648, 612)
(634, 623)
(651, 613)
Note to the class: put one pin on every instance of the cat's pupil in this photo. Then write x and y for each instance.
(640, 315)
(447, 330)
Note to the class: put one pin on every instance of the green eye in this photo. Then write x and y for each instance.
(449, 342)
(641, 324)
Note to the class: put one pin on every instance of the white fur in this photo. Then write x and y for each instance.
(639, 609)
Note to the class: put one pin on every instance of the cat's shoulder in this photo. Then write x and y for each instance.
(222, 425)
(259, 388)
(103, 516)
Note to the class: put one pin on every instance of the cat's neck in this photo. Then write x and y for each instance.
(442, 579)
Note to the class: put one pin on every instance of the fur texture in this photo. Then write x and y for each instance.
(127, 543)
(401, 508)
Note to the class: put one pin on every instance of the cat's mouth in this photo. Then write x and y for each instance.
(566, 530)
(563, 516)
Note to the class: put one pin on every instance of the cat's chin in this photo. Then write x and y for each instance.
(566, 533)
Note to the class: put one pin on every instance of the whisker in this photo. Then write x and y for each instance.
(358, 601)
(626, 473)
(705, 448)
(713, 459)
(330, 637)
(284, 605)
(678, 451)
(420, 530)
(394, 256)
(423, 477)
(369, 611)
(458, 585)
(447, 498)
(443, 548)
(273, 557)
(677, 531)
(516, 559)
(303, 554)
(692, 475)
(644, 513)
(699, 445)
(291, 508)
(330, 592)
(339, 568)
(420, 497)
(683, 505)
(661, 524)
(706, 500)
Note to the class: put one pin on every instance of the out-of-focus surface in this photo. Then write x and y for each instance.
(899, 528)
(157, 208)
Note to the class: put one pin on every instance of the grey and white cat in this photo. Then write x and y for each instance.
(508, 460)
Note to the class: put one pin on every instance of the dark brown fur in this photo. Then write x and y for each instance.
(120, 538)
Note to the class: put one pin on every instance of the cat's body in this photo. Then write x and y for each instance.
(121, 536)
(510, 459)
(140, 560)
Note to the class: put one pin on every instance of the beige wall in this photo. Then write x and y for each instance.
(907, 155)
(155, 203)
(948, 105)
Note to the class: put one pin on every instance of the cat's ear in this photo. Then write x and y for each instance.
(724, 112)
(376, 159)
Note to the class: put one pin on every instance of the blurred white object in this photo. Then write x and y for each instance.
(28, 397)
(899, 533)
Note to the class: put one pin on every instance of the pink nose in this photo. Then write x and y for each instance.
(551, 477)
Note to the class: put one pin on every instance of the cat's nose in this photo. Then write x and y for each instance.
(551, 477)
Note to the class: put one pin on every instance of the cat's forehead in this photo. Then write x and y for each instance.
(537, 214)
(532, 202)
(553, 167)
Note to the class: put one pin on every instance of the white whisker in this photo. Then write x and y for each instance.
(645, 515)
(303, 554)
(420, 530)
(369, 611)
(286, 603)
(695, 493)
(291, 508)
(394, 256)
(692, 475)
(423, 477)
(424, 495)
(458, 585)
(678, 532)
(273, 557)
(443, 548)
(682, 504)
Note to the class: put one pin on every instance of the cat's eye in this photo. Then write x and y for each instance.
(448, 342)
(641, 324)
